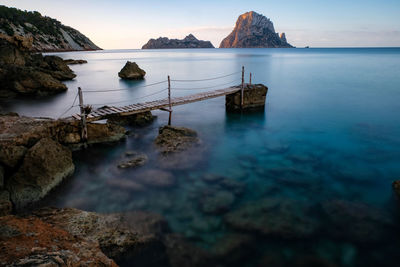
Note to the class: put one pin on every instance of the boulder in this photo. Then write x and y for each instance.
(156, 178)
(5, 203)
(11, 155)
(175, 139)
(45, 165)
(131, 71)
(276, 217)
(140, 119)
(32, 242)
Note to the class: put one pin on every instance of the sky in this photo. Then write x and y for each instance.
(124, 24)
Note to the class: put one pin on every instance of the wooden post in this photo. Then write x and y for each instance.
(84, 134)
(169, 100)
(250, 79)
(242, 90)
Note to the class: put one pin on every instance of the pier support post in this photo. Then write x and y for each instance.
(84, 134)
(242, 90)
(250, 79)
(169, 100)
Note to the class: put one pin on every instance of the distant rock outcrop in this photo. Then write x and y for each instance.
(253, 30)
(188, 42)
(47, 34)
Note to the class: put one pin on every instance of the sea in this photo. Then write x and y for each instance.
(305, 182)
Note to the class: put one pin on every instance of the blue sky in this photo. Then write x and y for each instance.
(114, 24)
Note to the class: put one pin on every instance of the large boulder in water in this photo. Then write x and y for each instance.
(45, 165)
(131, 71)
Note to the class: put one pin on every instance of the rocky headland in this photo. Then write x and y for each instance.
(188, 42)
(36, 155)
(253, 30)
(23, 73)
(47, 34)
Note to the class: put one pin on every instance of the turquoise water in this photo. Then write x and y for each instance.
(326, 149)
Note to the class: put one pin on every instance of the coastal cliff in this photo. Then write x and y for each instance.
(254, 30)
(47, 34)
(188, 42)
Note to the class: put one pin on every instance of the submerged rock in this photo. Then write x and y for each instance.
(234, 248)
(175, 139)
(156, 178)
(356, 222)
(278, 217)
(134, 162)
(218, 202)
(131, 71)
(125, 184)
(44, 166)
(32, 242)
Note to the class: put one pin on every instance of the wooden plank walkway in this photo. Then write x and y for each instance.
(108, 111)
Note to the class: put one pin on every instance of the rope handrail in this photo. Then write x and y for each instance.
(129, 100)
(209, 87)
(123, 89)
(72, 106)
(207, 79)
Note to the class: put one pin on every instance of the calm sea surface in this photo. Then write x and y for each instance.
(308, 180)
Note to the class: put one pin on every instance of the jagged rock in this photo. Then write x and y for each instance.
(356, 222)
(41, 33)
(136, 161)
(132, 237)
(140, 119)
(5, 203)
(188, 42)
(156, 178)
(278, 217)
(75, 61)
(253, 98)
(175, 139)
(253, 30)
(131, 71)
(45, 165)
(32, 242)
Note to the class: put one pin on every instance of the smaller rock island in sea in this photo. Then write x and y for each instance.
(188, 42)
(254, 30)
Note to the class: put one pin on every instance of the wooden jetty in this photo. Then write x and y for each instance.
(163, 104)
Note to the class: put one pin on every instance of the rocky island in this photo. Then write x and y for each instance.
(47, 34)
(254, 30)
(188, 42)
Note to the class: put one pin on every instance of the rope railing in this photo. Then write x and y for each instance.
(206, 79)
(122, 89)
(71, 107)
(129, 100)
(202, 88)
